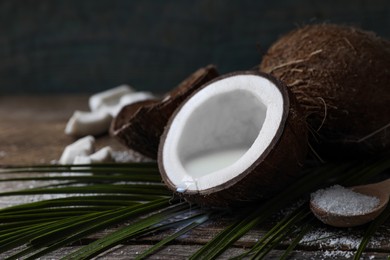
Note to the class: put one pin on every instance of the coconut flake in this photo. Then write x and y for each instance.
(88, 123)
(101, 156)
(135, 97)
(109, 97)
(82, 147)
(104, 107)
(343, 201)
(82, 159)
(127, 99)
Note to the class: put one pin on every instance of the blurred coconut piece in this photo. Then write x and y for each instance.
(127, 99)
(84, 123)
(105, 106)
(140, 126)
(82, 147)
(104, 155)
(109, 97)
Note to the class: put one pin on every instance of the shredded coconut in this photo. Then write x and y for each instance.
(325, 239)
(336, 243)
(338, 253)
(342, 201)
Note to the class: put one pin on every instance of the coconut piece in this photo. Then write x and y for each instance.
(82, 159)
(101, 156)
(340, 76)
(146, 121)
(109, 97)
(88, 123)
(127, 99)
(105, 106)
(135, 97)
(83, 146)
(126, 114)
(238, 139)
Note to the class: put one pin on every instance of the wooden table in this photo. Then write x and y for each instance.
(32, 132)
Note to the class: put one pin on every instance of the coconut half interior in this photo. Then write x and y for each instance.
(221, 131)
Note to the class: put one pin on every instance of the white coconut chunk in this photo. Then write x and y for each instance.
(135, 97)
(109, 97)
(125, 100)
(82, 159)
(83, 146)
(101, 156)
(88, 123)
(221, 131)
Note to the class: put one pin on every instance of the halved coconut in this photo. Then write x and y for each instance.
(239, 138)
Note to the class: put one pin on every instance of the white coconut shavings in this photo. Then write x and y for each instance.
(341, 239)
(325, 239)
(335, 254)
(338, 253)
(342, 201)
(340, 243)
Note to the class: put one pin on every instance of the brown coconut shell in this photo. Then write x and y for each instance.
(341, 77)
(278, 167)
(126, 114)
(145, 123)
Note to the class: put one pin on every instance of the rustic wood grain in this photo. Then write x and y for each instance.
(32, 128)
(181, 252)
(31, 132)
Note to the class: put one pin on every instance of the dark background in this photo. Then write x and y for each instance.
(74, 46)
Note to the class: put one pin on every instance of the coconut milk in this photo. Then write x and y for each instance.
(211, 162)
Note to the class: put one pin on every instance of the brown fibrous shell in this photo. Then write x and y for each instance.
(140, 126)
(340, 76)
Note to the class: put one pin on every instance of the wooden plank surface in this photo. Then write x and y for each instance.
(31, 132)
(125, 252)
(32, 128)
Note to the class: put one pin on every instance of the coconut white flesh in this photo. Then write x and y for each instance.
(221, 131)
(84, 146)
(108, 97)
(84, 123)
(127, 99)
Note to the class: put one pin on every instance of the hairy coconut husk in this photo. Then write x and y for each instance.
(145, 123)
(340, 76)
(279, 165)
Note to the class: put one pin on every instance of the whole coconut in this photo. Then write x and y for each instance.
(341, 77)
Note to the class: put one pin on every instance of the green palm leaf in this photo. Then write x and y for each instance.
(96, 197)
